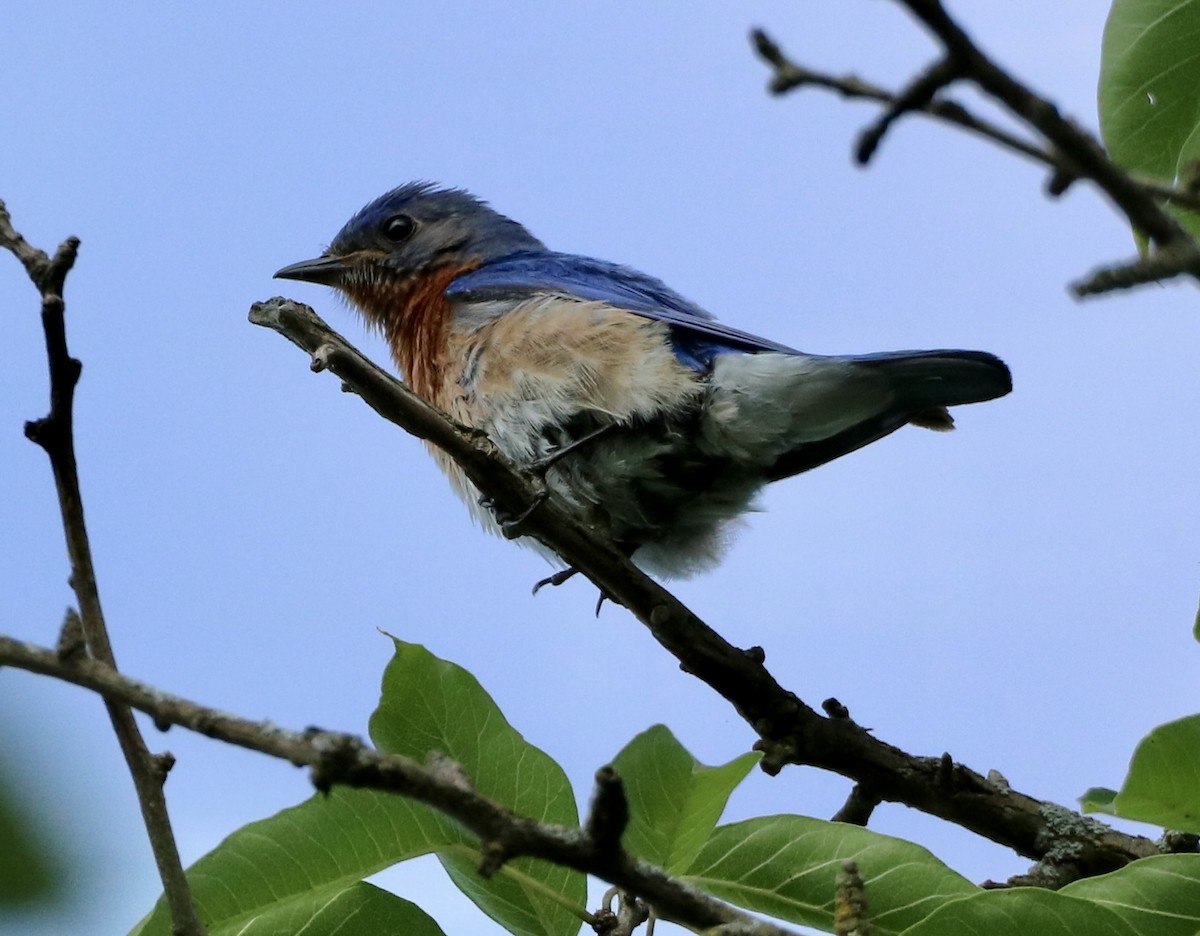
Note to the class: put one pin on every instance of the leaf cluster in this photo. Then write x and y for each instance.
(304, 869)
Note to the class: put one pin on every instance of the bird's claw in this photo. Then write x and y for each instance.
(562, 575)
(512, 526)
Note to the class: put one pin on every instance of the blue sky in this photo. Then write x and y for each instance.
(1018, 593)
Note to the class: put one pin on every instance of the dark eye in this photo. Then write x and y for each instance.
(400, 228)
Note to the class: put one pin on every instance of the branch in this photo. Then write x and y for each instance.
(1069, 151)
(790, 731)
(789, 76)
(858, 807)
(337, 758)
(55, 434)
(1162, 264)
(916, 97)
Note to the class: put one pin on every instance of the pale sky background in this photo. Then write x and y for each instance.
(1019, 593)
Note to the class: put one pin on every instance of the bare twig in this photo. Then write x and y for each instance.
(609, 815)
(789, 76)
(1162, 264)
(917, 96)
(1070, 152)
(55, 434)
(791, 732)
(337, 758)
(1082, 150)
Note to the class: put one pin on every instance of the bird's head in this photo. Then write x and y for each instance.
(411, 231)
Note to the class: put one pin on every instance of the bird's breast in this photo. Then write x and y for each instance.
(531, 371)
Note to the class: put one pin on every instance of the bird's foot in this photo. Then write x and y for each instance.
(564, 575)
(558, 578)
(512, 526)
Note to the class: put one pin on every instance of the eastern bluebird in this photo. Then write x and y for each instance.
(673, 421)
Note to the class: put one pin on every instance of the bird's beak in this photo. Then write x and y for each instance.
(327, 270)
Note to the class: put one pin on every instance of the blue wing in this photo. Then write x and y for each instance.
(697, 335)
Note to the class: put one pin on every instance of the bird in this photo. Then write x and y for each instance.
(647, 417)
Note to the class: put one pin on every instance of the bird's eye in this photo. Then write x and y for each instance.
(400, 228)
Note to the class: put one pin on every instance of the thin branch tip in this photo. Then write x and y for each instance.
(918, 96)
(609, 815)
(767, 48)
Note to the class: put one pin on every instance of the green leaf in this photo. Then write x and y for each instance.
(1157, 896)
(1023, 911)
(309, 855)
(674, 800)
(1099, 800)
(1163, 784)
(1149, 93)
(360, 909)
(304, 856)
(785, 866)
(430, 705)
